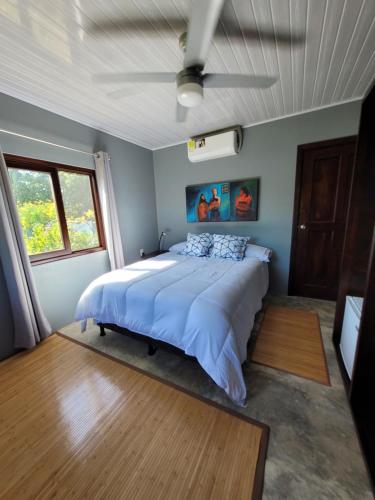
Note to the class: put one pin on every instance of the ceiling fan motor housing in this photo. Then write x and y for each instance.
(190, 87)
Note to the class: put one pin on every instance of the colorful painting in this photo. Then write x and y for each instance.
(244, 200)
(223, 201)
(208, 202)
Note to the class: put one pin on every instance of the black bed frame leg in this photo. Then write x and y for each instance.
(151, 350)
(102, 331)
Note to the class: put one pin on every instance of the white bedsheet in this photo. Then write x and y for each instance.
(204, 306)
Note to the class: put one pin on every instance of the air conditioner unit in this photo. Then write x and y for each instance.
(217, 144)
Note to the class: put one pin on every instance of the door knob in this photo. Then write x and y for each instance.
(302, 226)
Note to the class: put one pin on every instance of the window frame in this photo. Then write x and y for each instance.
(20, 162)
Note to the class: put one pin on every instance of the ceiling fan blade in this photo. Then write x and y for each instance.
(218, 81)
(201, 29)
(176, 24)
(134, 78)
(181, 113)
(249, 34)
(119, 26)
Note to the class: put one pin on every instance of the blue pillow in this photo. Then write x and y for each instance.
(197, 245)
(227, 246)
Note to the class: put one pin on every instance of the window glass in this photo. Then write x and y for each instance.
(79, 210)
(34, 195)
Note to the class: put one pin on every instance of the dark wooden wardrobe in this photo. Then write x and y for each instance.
(357, 278)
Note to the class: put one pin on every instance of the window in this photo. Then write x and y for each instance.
(58, 208)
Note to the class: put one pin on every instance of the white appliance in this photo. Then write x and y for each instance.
(349, 333)
(215, 145)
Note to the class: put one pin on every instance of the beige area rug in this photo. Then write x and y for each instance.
(76, 423)
(290, 340)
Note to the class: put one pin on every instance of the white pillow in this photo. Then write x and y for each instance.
(177, 247)
(261, 253)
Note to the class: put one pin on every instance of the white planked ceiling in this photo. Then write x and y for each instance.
(48, 59)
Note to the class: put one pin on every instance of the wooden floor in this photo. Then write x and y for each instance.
(290, 340)
(78, 425)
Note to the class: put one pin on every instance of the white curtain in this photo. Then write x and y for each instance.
(30, 324)
(109, 211)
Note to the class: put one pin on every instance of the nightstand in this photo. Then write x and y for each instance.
(154, 254)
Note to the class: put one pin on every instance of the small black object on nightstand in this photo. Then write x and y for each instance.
(153, 254)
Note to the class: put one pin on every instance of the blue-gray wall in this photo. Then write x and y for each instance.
(269, 152)
(61, 283)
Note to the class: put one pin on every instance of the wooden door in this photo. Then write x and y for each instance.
(323, 179)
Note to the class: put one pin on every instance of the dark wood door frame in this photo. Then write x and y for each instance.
(301, 150)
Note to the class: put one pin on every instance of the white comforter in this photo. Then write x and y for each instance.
(205, 306)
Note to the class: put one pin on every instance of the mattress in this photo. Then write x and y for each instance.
(204, 306)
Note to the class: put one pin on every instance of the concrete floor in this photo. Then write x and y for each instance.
(313, 452)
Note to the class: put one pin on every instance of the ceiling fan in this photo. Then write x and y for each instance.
(195, 44)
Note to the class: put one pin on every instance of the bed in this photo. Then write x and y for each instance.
(204, 306)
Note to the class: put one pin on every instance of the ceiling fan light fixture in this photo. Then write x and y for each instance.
(190, 94)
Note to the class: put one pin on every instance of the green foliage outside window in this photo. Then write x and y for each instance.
(38, 213)
(40, 226)
(79, 210)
